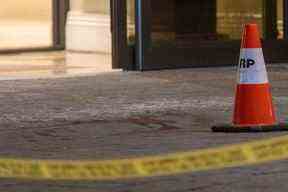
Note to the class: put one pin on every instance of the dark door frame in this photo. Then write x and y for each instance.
(123, 53)
(270, 22)
(137, 57)
(285, 18)
(119, 33)
(60, 9)
(271, 19)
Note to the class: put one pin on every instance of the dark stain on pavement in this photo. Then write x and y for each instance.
(153, 123)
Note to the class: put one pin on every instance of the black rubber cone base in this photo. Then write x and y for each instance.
(226, 128)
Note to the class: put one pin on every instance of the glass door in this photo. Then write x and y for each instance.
(193, 33)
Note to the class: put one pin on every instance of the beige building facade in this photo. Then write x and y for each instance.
(88, 26)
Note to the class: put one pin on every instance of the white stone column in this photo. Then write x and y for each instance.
(88, 26)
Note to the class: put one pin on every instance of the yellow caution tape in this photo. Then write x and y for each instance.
(208, 159)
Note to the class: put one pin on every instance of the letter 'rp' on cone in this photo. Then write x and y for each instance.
(253, 109)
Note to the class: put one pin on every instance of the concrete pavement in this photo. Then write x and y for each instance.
(130, 114)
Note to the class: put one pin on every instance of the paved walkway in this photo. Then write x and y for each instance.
(53, 64)
(130, 114)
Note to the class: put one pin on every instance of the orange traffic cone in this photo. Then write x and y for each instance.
(253, 110)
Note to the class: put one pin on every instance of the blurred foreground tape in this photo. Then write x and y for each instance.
(208, 159)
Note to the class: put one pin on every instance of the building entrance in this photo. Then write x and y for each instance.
(157, 34)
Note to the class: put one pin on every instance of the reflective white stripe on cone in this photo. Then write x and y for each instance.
(252, 68)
